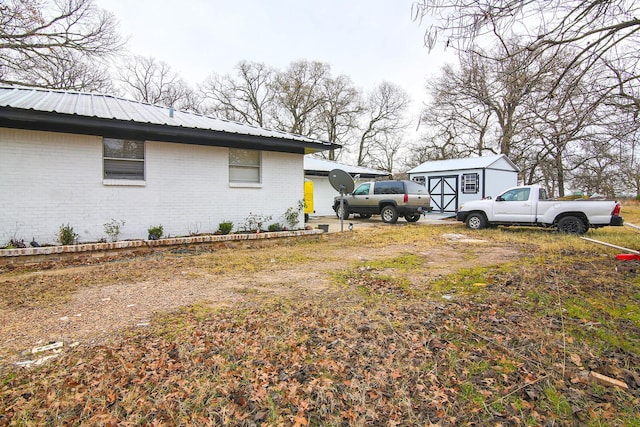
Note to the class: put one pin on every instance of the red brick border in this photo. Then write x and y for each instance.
(89, 253)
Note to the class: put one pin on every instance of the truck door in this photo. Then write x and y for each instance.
(514, 206)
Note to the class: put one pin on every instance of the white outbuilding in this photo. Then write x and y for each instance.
(317, 170)
(456, 181)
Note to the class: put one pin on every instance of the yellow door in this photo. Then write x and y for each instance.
(308, 197)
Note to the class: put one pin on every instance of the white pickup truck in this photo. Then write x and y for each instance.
(529, 205)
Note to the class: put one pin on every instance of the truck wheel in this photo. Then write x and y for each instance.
(572, 225)
(412, 218)
(389, 214)
(476, 221)
(343, 214)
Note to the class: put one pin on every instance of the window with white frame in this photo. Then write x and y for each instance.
(123, 159)
(470, 183)
(244, 166)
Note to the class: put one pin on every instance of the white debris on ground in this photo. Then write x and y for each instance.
(454, 237)
(47, 352)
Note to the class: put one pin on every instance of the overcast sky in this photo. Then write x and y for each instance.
(368, 40)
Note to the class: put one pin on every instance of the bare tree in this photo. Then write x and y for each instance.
(299, 96)
(630, 160)
(613, 157)
(246, 97)
(39, 36)
(564, 125)
(509, 93)
(148, 80)
(625, 87)
(69, 71)
(447, 136)
(383, 122)
(586, 54)
(593, 29)
(597, 170)
(340, 112)
(457, 124)
(479, 106)
(385, 151)
(631, 176)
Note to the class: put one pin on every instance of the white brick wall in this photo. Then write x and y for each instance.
(49, 179)
(323, 195)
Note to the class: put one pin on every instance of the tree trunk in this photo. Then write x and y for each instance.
(560, 174)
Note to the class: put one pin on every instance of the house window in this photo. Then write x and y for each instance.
(123, 159)
(470, 183)
(244, 166)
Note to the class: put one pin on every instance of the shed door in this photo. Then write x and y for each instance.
(444, 193)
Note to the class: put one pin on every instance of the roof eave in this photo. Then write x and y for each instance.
(314, 172)
(112, 128)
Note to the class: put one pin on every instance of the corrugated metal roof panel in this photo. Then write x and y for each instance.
(315, 164)
(65, 103)
(460, 164)
(84, 106)
(45, 102)
(110, 107)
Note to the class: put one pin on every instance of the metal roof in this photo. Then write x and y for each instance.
(78, 112)
(483, 162)
(314, 164)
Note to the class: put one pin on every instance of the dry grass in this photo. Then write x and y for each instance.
(425, 330)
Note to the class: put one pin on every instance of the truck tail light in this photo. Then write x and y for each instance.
(616, 210)
(406, 197)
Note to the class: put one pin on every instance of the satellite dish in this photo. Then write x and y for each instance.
(342, 182)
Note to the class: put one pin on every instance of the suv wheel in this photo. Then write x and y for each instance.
(412, 218)
(389, 214)
(342, 212)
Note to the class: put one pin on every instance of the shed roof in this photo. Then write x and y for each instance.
(322, 167)
(110, 116)
(483, 162)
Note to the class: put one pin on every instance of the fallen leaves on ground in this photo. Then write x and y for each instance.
(374, 350)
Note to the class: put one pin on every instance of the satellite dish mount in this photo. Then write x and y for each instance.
(342, 182)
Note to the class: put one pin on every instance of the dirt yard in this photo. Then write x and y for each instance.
(87, 305)
(406, 324)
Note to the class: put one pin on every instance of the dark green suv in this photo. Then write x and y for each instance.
(389, 199)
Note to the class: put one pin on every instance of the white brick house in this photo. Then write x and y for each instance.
(85, 159)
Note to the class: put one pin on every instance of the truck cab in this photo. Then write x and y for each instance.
(519, 204)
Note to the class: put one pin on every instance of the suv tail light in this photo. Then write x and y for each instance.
(406, 197)
(616, 210)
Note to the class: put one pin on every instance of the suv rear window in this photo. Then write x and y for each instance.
(415, 188)
(388, 187)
